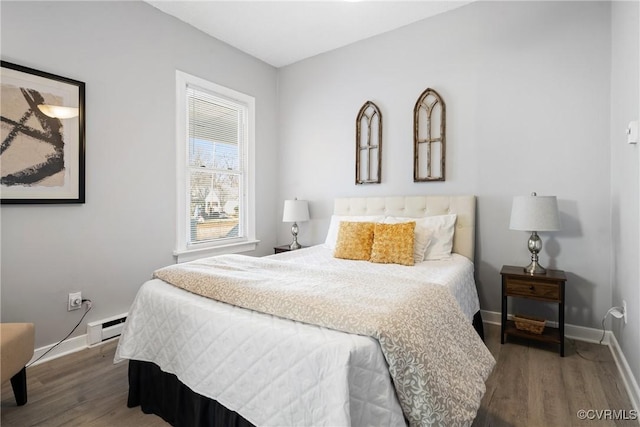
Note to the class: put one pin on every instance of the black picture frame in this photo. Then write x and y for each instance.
(42, 158)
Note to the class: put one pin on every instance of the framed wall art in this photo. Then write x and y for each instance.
(42, 151)
(429, 139)
(369, 144)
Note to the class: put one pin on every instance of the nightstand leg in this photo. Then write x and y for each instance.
(503, 324)
(561, 327)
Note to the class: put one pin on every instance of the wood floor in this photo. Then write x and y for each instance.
(530, 386)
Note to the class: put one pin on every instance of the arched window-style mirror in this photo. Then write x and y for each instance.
(369, 144)
(429, 141)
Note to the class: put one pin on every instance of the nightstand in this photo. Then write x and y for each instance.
(284, 248)
(538, 287)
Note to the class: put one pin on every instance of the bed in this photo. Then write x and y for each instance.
(197, 361)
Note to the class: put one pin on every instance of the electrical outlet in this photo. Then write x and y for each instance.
(75, 301)
(624, 311)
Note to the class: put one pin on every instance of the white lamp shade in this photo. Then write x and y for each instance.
(535, 213)
(295, 211)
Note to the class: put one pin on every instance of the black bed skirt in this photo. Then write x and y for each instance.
(162, 394)
(477, 324)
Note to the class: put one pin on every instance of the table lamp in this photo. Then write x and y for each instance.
(535, 213)
(295, 211)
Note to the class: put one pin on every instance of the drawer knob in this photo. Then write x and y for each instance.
(531, 288)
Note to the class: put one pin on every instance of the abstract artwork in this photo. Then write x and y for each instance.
(42, 148)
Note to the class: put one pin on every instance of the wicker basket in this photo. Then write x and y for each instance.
(531, 324)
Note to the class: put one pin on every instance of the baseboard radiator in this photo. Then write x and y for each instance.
(102, 330)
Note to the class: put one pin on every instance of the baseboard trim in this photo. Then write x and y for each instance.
(592, 335)
(69, 346)
(630, 382)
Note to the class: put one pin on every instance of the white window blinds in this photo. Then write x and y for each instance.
(217, 139)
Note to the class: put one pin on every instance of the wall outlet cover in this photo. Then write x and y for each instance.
(75, 301)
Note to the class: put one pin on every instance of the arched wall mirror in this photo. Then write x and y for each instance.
(429, 140)
(369, 144)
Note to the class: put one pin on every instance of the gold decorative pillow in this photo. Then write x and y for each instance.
(354, 240)
(393, 243)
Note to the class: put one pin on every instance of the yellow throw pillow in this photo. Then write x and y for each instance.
(393, 243)
(354, 240)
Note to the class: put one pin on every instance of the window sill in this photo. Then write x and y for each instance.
(232, 248)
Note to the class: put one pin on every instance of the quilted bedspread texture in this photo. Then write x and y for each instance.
(436, 360)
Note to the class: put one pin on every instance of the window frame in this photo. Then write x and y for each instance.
(186, 251)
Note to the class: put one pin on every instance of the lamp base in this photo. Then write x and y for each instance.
(535, 268)
(295, 245)
(294, 232)
(535, 245)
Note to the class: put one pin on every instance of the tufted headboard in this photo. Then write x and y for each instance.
(420, 206)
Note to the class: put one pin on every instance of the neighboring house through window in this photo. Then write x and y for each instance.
(215, 144)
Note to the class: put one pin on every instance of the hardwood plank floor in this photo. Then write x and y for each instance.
(530, 386)
(81, 389)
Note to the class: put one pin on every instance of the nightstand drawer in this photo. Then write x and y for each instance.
(525, 288)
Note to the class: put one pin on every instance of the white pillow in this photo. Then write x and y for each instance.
(334, 226)
(437, 231)
(421, 235)
(443, 228)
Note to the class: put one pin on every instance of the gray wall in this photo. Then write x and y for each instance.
(527, 89)
(127, 54)
(625, 177)
(536, 94)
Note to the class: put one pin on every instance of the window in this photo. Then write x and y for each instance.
(215, 142)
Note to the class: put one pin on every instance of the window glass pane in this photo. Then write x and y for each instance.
(214, 206)
(213, 155)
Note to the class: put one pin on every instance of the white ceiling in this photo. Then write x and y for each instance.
(283, 32)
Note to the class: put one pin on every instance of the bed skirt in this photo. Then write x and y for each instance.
(477, 324)
(162, 394)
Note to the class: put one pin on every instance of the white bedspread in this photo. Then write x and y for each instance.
(455, 273)
(275, 371)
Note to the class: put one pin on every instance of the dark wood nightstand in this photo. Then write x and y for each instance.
(539, 287)
(284, 248)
